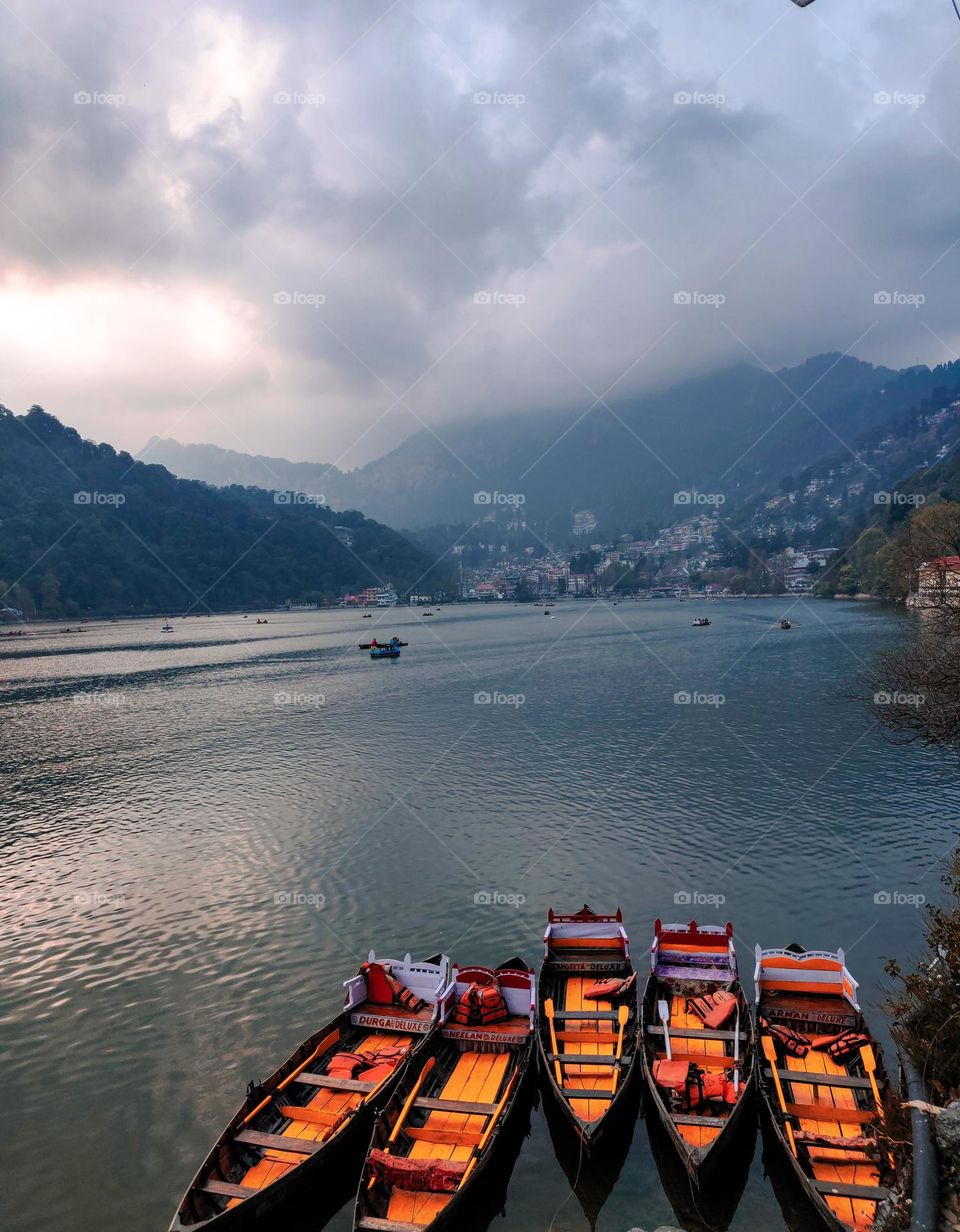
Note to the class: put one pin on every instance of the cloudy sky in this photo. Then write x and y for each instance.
(308, 228)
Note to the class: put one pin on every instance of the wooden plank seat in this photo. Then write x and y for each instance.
(369, 1224)
(576, 1093)
(454, 1105)
(691, 1033)
(313, 1116)
(683, 1119)
(822, 1080)
(839, 1189)
(827, 1112)
(333, 1084)
(604, 1015)
(576, 1058)
(706, 1060)
(278, 1142)
(587, 1037)
(444, 1137)
(224, 1189)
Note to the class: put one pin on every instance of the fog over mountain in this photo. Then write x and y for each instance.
(727, 435)
(317, 231)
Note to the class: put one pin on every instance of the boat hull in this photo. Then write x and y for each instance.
(702, 1166)
(479, 1200)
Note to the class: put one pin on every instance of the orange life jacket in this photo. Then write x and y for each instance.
(794, 1043)
(481, 1007)
(696, 1086)
(383, 989)
(845, 1043)
(366, 1066)
(609, 990)
(713, 1008)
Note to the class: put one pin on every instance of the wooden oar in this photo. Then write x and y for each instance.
(405, 1110)
(324, 1044)
(548, 1010)
(770, 1052)
(870, 1067)
(623, 1013)
(736, 1054)
(663, 1009)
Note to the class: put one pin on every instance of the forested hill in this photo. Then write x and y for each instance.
(87, 530)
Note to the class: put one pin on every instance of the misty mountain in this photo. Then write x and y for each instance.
(88, 530)
(732, 433)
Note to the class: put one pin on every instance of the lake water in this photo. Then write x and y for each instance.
(204, 832)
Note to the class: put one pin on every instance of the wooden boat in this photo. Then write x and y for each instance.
(385, 652)
(370, 646)
(303, 1121)
(436, 1139)
(587, 1046)
(826, 1105)
(700, 1077)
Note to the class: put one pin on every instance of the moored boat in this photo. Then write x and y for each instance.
(697, 1043)
(437, 1138)
(823, 1084)
(588, 1018)
(316, 1111)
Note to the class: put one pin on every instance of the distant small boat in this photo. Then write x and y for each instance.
(263, 622)
(367, 616)
(785, 624)
(385, 652)
(166, 627)
(394, 641)
(426, 613)
(701, 622)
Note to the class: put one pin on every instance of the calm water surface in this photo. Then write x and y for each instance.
(204, 832)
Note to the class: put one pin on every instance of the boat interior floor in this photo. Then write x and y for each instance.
(710, 1055)
(583, 1039)
(477, 1078)
(315, 1118)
